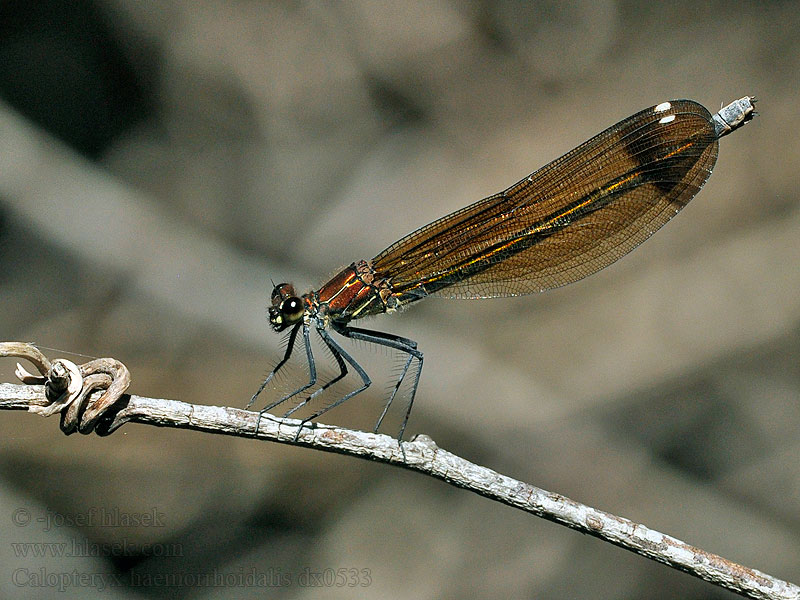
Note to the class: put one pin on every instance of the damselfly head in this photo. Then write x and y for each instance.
(287, 309)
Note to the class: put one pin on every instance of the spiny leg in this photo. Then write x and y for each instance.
(341, 353)
(398, 343)
(342, 373)
(286, 356)
(411, 400)
(312, 373)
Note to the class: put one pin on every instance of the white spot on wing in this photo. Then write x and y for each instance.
(663, 106)
(667, 119)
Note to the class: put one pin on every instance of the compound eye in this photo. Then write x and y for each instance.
(292, 309)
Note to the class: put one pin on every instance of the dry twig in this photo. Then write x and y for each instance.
(421, 454)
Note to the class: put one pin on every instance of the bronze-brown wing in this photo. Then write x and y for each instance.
(567, 220)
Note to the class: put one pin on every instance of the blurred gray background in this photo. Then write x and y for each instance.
(161, 162)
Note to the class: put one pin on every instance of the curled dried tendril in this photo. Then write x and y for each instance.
(69, 387)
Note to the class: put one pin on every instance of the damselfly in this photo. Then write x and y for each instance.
(563, 222)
